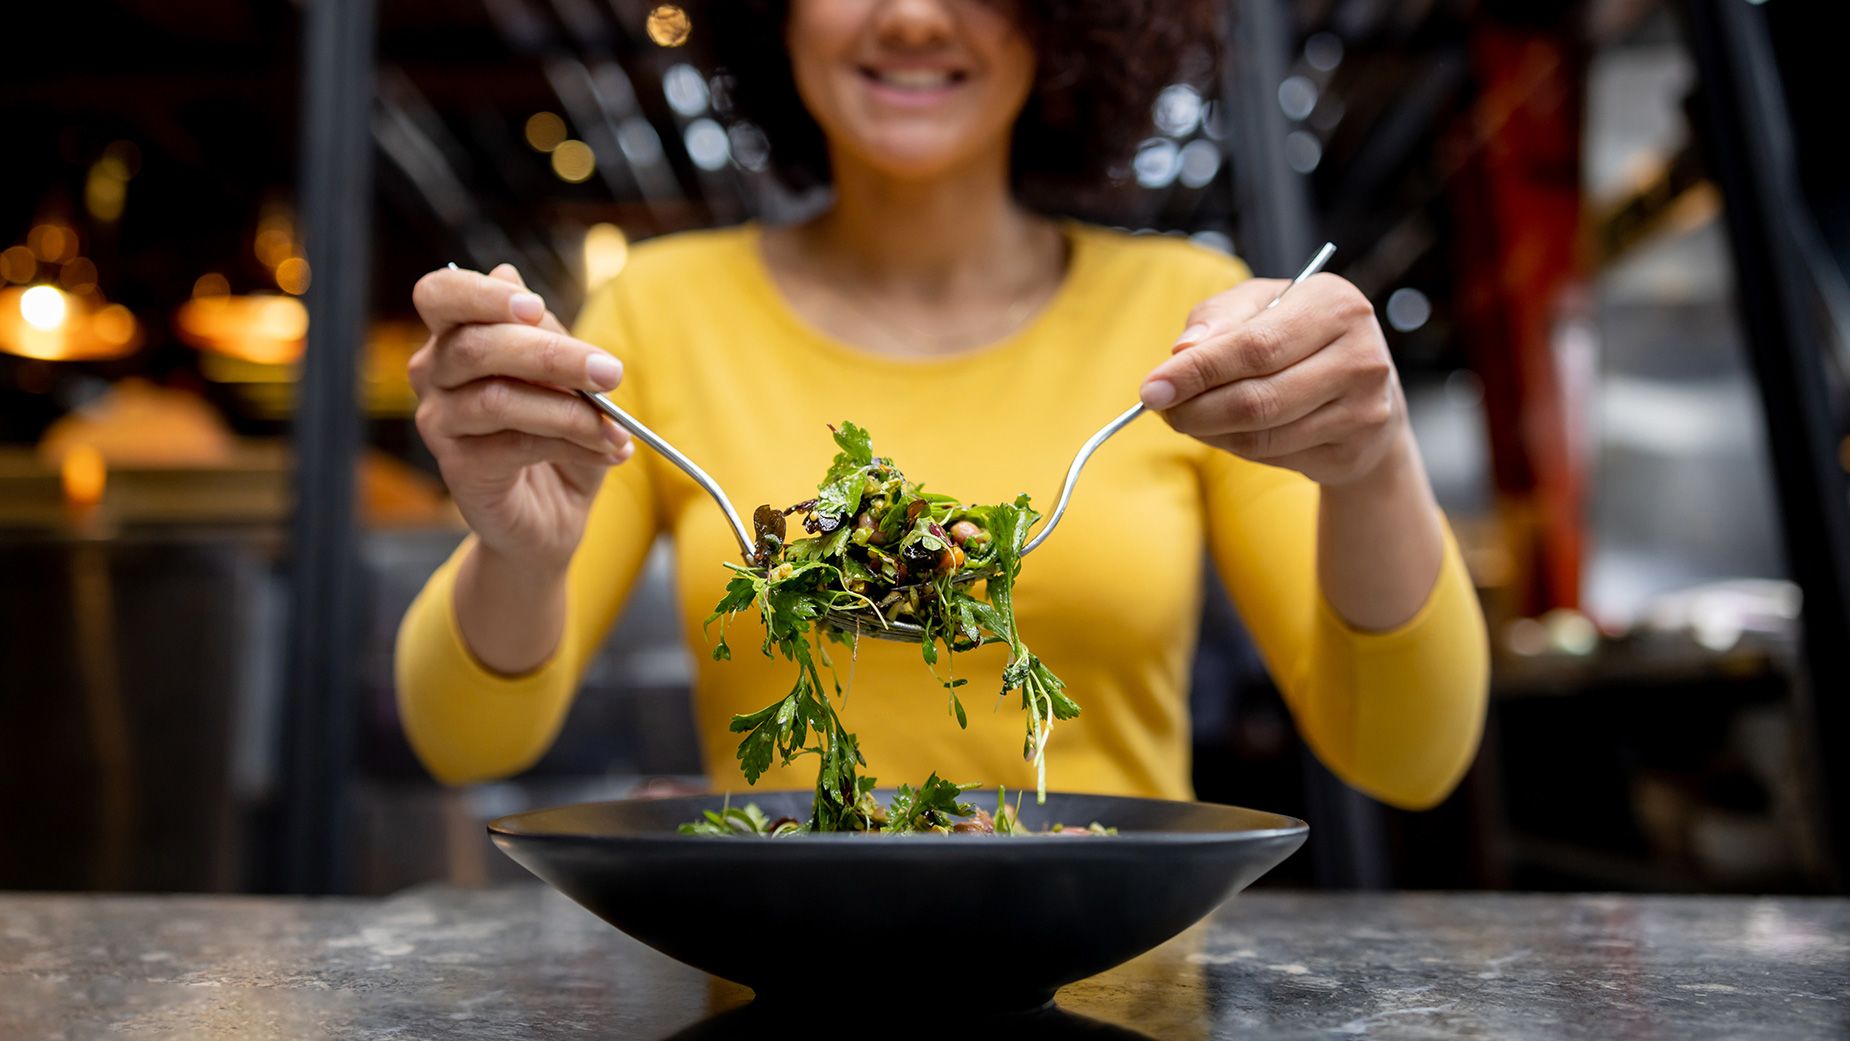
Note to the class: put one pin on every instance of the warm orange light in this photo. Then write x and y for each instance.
(574, 161)
(19, 265)
(269, 330)
(274, 246)
(113, 325)
(43, 323)
(84, 475)
(606, 251)
(211, 284)
(292, 276)
(54, 243)
(276, 237)
(106, 188)
(78, 276)
(545, 130)
(44, 308)
(669, 25)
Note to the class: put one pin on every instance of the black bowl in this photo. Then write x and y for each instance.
(848, 918)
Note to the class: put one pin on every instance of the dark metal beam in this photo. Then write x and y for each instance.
(1272, 200)
(1746, 133)
(336, 193)
(1277, 235)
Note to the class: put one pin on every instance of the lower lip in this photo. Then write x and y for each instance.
(909, 97)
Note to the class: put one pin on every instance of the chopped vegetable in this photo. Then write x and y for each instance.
(883, 547)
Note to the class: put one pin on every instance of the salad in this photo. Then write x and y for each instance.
(881, 547)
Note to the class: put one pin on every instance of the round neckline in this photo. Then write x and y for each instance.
(764, 284)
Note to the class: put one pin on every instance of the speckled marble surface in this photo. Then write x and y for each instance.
(526, 963)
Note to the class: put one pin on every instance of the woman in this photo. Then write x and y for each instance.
(980, 342)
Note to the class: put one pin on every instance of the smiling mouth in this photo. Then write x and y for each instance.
(921, 80)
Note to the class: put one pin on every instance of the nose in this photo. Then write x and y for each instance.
(913, 24)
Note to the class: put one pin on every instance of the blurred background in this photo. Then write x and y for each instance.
(1608, 240)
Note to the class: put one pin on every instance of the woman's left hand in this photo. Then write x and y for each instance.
(1306, 385)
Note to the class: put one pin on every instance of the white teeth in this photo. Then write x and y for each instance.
(915, 79)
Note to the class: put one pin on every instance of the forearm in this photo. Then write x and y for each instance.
(1379, 541)
(510, 614)
(465, 722)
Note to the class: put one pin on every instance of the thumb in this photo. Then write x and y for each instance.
(509, 273)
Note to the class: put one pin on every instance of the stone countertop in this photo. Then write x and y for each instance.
(524, 962)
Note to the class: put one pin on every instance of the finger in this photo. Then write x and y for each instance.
(1228, 309)
(1340, 372)
(1307, 320)
(448, 297)
(511, 450)
(1241, 380)
(1330, 422)
(491, 406)
(509, 273)
(471, 352)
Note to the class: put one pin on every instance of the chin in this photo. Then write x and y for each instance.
(913, 160)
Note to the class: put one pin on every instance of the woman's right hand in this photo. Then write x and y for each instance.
(522, 454)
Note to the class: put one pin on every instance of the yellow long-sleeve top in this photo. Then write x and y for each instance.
(718, 363)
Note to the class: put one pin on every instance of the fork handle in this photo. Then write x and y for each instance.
(1124, 418)
(673, 455)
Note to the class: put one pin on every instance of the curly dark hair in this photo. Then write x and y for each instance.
(1099, 65)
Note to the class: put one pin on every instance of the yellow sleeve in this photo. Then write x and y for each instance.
(1395, 714)
(468, 724)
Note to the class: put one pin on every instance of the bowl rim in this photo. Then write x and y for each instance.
(509, 826)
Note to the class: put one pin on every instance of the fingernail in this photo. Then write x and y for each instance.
(1191, 336)
(614, 434)
(527, 307)
(1157, 394)
(603, 371)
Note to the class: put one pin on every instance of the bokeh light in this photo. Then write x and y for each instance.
(1303, 152)
(607, 249)
(639, 143)
(707, 144)
(44, 308)
(1156, 163)
(43, 323)
(669, 25)
(52, 243)
(574, 161)
(1324, 51)
(292, 276)
(83, 475)
(545, 131)
(211, 284)
(18, 265)
(78, 276)
(1297, 96)
(685, 89)
(113, 325)
(106, 188)
(1408, 309)
(1178, 110)
(1200, 161)
(265, 329)
(750, 148)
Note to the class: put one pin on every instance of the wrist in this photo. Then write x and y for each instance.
(1397, 468)
(518, 574)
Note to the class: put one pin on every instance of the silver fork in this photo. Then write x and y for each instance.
(673, 455)
(866, 623)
